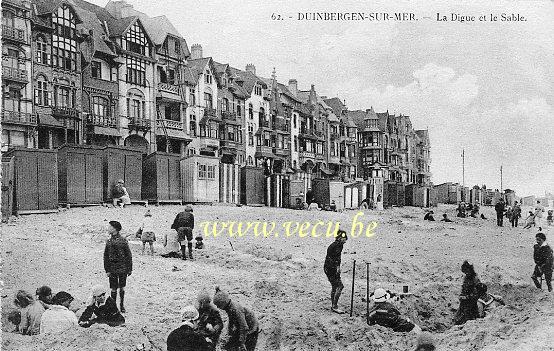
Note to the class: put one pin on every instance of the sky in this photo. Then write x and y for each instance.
(484, 87)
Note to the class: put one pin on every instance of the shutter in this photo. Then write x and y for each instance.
(36, 97)
(49, 98)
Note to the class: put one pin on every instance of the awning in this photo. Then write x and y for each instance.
(48, 120)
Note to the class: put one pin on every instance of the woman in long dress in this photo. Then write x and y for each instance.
(468, 298)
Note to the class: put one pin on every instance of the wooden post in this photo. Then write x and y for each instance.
(367, 292)
(352, 293)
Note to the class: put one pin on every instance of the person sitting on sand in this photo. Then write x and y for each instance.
(31, 313)
(331, 268)
(171, 244)
(544, 262)
(243, 327)
(44, 296)
(461, 210)
(187, 337)
(58, 318)
(210, 324)
(429, 216)
(333, 206)
(425, 342)
(120, 195)
(445, 218)
(487, 302)
(14, 317)
(314, 207)
(385, 314)
(101, 309)
(530, 220)
(468, 297)
(483, 216)
(474, 211)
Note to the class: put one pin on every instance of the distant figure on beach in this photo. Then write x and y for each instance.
(44, 296)
(468, 298)
(549, 219)
(147, 230)
(332, 269)
(118, 262)
(542, 255)
(474, 211)
(59, 318)
(425, 342)
(384, 313)
(171, 244)
(243, 327)
(530, 220)
(333, 206)
(31, 313)
(483, 216)
(487, 302)
(445, 218)
(187, 337)
(184, 225)
(314, 207)
(461, 210)
(500, 208)
(120, 195)
(539, 210)
(101, 309)
(516, 214)
(429, 216)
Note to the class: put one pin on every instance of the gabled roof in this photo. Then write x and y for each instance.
(237, 90)
(337, 105)
(195, 68)
(45, 7)
(249, 79)
(333, 118)
(354, 118)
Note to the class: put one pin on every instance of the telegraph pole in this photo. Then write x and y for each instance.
(501, 180)
(463, 168)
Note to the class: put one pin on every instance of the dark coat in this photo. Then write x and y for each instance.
(185, 338)
(543, 257)
(117, 256)
(210, 315)
(183, 219)
(468, 301)
(106, 313)
(334, 252)
(386, 315)
(500, 207)
(242, 321)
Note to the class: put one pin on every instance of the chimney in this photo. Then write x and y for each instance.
(251, 68)
(120, 9)
(313, 97)
(196, 51)
(293, 86)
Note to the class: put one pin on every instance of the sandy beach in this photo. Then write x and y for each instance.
(281, 278)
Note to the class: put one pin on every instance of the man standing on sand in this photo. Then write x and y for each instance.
(542, 254)
(118, 262)
(184, 225)
(332, 269)
(500, 208)
(516, 214)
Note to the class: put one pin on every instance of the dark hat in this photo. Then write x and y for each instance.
(44, 291)
(61, 297)
(541, 235)
(116, 225)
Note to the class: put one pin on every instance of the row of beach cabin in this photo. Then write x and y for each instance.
(37, 181)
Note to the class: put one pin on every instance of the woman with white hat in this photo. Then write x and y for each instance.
(387, 315)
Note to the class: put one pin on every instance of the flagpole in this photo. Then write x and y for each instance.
(501, 180)
(463, 168)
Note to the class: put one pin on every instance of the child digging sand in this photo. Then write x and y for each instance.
(147, 235)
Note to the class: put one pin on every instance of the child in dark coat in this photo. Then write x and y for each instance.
(184, 225)
(118, 262)
(542, 254)
(101, 309)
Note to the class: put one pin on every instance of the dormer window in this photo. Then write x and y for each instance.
(136, 40)
(258, 90)
(64, 46)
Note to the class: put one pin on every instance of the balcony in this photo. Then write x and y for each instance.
(334, 159)
(371, 147)
(168, 91)
(208, 142)
(264, 124)
(334, 135)
(139, 123)
(102, 121)
(15, 34)
(15, 74)
(307, 154)
(320, 157)
(281, 152)
(228, 115)
(65, 112)
(18, 117)
(169, 124)
(282, 126)
(264, 151)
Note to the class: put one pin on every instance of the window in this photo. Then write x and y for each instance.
(100, 106)
(225, 104)
(202, 171)
(96, 69)
(136, 106)
(294, 120)
(192, 97)
(136, 40)
(211, 172)
(251, 135)
(41, 92)
(63, 96)
(208, 100)
(296, 143)
(239, 110)
(250, 111)
(208, 77)
(136, 71)
(64, 45)
(258, 90)
(177, 47)
(8, 18)
(42, 53)
(250, 160)
(192, 125)
(171, 76)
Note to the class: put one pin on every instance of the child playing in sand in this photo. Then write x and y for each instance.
(542, 255)
(31, 313)
(120, 195)
(530, 220)
(147, 230)
(487, 302)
